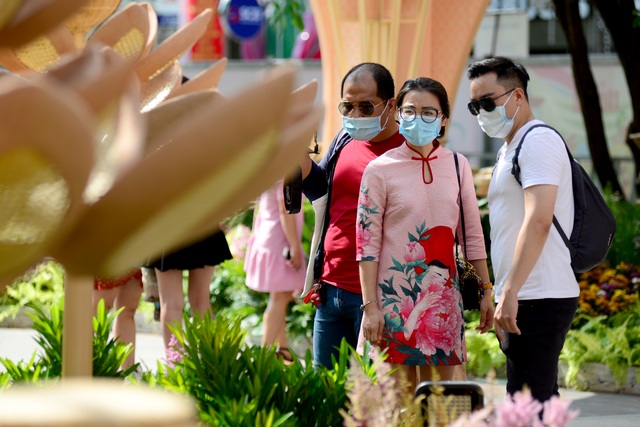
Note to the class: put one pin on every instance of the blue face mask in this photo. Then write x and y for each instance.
(363, 128)
(418, 132)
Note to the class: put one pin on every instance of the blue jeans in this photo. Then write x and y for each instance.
(532, 358)
(338, 317)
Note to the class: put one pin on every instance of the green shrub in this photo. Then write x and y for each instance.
(41, 287)
(614, 342)
(108, 355)
(483, 350)
(237, 385)
(231, 296)
(626, 241)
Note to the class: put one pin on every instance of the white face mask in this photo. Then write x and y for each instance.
(495, 123)
(364, 128)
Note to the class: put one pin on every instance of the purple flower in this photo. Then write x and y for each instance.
(174, 352)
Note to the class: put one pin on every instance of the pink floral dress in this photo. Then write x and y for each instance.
(407, 225)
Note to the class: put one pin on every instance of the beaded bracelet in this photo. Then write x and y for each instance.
(485, 287)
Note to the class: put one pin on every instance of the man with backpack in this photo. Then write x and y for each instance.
(535, 285)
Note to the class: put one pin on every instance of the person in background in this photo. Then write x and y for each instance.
(536, 289)
(273, 263)
(369, 130)
(123, 292)
(408, 218)
(200, 259)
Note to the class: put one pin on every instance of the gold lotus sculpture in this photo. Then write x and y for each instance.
(100, 181)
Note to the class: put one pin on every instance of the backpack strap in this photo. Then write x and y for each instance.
(515, 171)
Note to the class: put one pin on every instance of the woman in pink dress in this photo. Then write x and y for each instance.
(274, 262)
(408, 214)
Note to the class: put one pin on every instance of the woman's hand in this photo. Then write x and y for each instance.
(296, 258)
(487, 311)
(373, 321)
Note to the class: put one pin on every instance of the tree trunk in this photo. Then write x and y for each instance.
(618, 16)
(569, 17)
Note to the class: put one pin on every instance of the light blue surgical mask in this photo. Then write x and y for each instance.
(364, 128)
(419, 133)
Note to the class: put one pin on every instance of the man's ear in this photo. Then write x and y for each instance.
(520, 96)
(391, 104)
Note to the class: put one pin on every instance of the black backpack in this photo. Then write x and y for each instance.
(593, 222)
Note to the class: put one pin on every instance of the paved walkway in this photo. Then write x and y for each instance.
(596, 409)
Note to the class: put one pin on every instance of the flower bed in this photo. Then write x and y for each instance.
(608, 290)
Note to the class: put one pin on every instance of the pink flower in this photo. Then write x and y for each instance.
(413, 251)
(363, 238)
(174, 352)
(364, 200)
(519, 410)
(556, 412)
(436, 327)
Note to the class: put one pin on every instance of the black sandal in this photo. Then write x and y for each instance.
(285, 354)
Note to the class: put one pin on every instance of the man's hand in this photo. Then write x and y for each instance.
(506, 315)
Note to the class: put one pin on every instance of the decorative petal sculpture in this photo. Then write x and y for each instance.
(21, 21)
(75, 141)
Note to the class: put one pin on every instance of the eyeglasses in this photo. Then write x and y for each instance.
(486, 103)
(365, 107)
(428, 115)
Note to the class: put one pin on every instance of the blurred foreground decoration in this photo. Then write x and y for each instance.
(412, 38)
(106, 159)
(96, 403)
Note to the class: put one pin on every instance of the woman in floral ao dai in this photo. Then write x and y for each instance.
(408, 215)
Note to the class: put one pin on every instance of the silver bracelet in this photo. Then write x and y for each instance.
(363, 306)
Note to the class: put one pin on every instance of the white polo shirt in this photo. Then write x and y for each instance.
(543, 160)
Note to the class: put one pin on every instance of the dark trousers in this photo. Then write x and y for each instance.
(532, 358)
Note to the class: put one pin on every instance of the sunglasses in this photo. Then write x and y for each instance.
(486, 103)
(365, 107)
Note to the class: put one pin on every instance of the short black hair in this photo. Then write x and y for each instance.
(508, 72)
(430, 85)
(386, 88)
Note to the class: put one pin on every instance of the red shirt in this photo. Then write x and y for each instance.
(340, 267)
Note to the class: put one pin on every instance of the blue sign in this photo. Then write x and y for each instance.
(241, 19)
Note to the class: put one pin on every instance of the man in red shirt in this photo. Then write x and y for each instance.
(369, 130)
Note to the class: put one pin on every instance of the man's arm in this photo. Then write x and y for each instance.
(314, 175)
(539, 201)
